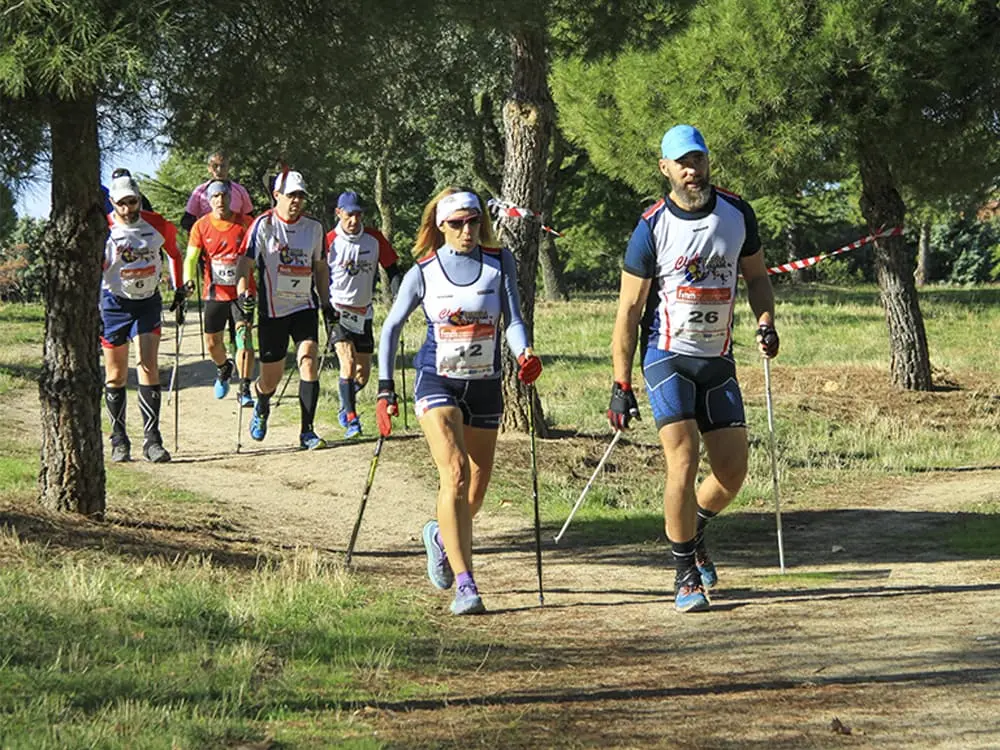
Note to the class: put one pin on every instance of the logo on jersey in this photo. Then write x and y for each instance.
(285, 255)
(462, 317)
(130, 254)
(355, 267)
(695, 269)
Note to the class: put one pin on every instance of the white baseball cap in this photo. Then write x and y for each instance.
(123, 187)
(292, 182)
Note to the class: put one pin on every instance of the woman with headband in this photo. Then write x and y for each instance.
(466, 284)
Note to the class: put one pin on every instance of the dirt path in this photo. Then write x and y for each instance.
(888, 633)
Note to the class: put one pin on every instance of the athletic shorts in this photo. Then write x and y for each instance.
(681, 387)
(364, 343)
(273, 333)
(481, 401)
(218, 314)
(123, 319)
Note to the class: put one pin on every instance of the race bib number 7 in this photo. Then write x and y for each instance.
(294, 282)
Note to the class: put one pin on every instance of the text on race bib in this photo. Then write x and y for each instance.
(352, 319)
(224, 271)
(139, 283)
(701, 314)
(465, 351)
(294, 282)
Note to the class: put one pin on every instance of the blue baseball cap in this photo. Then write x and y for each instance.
(350, 202)
(680, 140)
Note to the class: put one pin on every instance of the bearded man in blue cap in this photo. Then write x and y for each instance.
(688, 249)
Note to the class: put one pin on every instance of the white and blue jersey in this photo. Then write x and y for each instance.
(693, 258)
(464, 296)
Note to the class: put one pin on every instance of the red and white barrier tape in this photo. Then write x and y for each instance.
(796, 265)
(509, 209)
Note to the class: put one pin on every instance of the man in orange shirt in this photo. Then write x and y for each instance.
(229, 290)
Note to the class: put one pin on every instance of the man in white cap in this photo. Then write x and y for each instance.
(286, 247)
(679, 282)
(131, 308)
(198, 204)
(354, 253)
(227, 286)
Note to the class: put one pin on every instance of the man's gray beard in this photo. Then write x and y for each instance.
(693, 198)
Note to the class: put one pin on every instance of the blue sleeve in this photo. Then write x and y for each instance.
(640, 255)
(411, 292)
(517, 333)
(252, 238)
(752, 242)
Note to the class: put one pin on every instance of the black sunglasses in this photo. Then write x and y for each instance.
(472, 221)
(128, 202)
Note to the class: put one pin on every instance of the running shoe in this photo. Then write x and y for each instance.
(310, 441)
(155, 453)
(709, 576)
(438, 567)
(467, 601)
(342, 418)
(121, 451)
(353, 428)
(691, 597)
(245, 399)
(222, 379)
(258, 425)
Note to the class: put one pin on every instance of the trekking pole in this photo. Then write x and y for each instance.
(534, 490)
(402, 374)
(173, 373)
(201, 323)
(175, 381)
(364, 498)
(774, 461)
(583, 494)
(284, 387)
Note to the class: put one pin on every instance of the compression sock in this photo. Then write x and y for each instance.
(704, 516)
(114, 399)
(308, 399)
(683, 553)
(149, 406)
(347, 403)
(263, 402)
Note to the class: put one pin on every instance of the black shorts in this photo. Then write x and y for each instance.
(481, 401)
(364, 343)
(218, 314)
(273, 333)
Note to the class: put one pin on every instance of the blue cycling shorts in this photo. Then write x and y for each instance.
(682, 387)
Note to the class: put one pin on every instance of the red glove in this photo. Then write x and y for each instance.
(386, 406)
(529, 367)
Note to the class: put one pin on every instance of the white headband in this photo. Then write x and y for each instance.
(455, 202)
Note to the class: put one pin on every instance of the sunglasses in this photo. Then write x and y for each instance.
(128, 202)
(472, 221)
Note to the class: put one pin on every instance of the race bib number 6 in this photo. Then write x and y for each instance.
(138, 283)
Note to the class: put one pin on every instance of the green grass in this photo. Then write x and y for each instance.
(102, 652)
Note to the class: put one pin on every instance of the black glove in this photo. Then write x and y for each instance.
(177, 305)
(247, 304)
(330, 317)
(623, 407)
(767, 338)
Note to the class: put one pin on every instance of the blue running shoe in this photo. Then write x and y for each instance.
(342, 418)
(222, 378)
(353, 428)
(467, 601)
(258, 425)
(310, 441)
(709, 576)
(438, 567)
(245, 399)
(691, 597)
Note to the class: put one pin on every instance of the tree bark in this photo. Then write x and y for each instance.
(882, 207)
(528, 115)
(923, 254)
(386, 210)
(553, 283)
(71, 477)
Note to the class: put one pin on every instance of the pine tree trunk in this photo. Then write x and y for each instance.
(552, 277)
(882, 207)
(72, 461)
(528, 115)
(923, 254)
(386, 210)
(553, 283)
